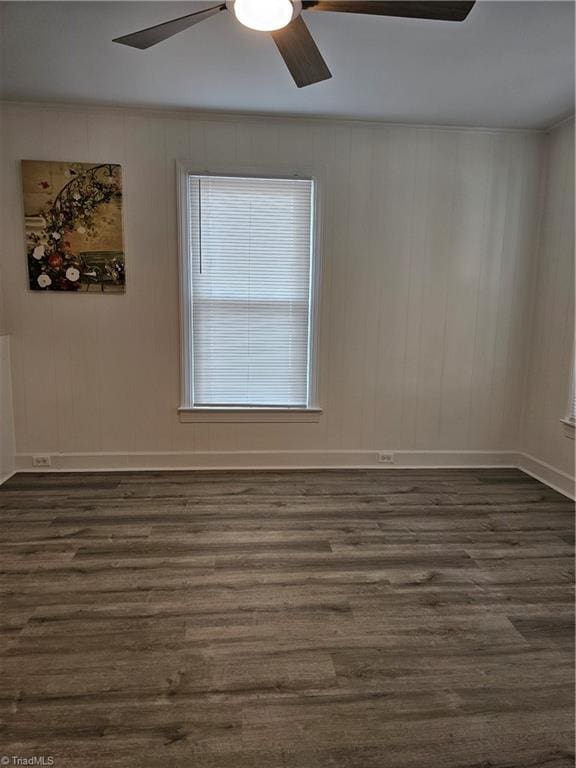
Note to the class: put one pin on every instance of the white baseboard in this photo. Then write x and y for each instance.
(555, 478)
(118, 462)
(277, 460)
(3, 478)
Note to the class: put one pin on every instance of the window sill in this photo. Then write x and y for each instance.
(249, 415)
(569, 428)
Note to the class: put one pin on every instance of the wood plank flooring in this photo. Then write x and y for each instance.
(298, 619)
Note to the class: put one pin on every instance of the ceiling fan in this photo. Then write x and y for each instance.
(293, 39)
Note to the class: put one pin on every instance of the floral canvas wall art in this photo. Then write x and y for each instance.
(73, 219)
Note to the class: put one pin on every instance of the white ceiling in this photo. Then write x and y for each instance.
(511, 64)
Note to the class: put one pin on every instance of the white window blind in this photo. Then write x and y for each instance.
(251, 261)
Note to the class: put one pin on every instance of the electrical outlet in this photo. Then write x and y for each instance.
(42, 461)
(386, 458)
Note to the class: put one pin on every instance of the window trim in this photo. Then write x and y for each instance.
(568, 422)
(248, 414)
(569, 428)
(187, 412)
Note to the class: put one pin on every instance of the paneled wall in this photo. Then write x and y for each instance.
(6, 411)
(552, 329)
(428, 239)
(6, 406)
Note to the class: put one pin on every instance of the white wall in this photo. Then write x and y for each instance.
(428, 239)
(6, 407)
(552, 330)
(7, 445)
(6, 412)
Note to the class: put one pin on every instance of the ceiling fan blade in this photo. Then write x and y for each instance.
(443, 10)
(301, 54)
(146, 38)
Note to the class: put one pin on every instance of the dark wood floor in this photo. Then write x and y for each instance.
(324, 619)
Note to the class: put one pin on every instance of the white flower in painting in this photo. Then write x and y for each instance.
(44, 280)
(81, 230)
(56, 235)
(76, 196)
(38, 252)
(72, 274)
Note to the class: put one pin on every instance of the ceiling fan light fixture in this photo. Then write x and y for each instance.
(264, 15)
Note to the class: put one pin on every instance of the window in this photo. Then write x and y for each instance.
(247, 293)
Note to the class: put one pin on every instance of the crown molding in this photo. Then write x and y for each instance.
(185, 113)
